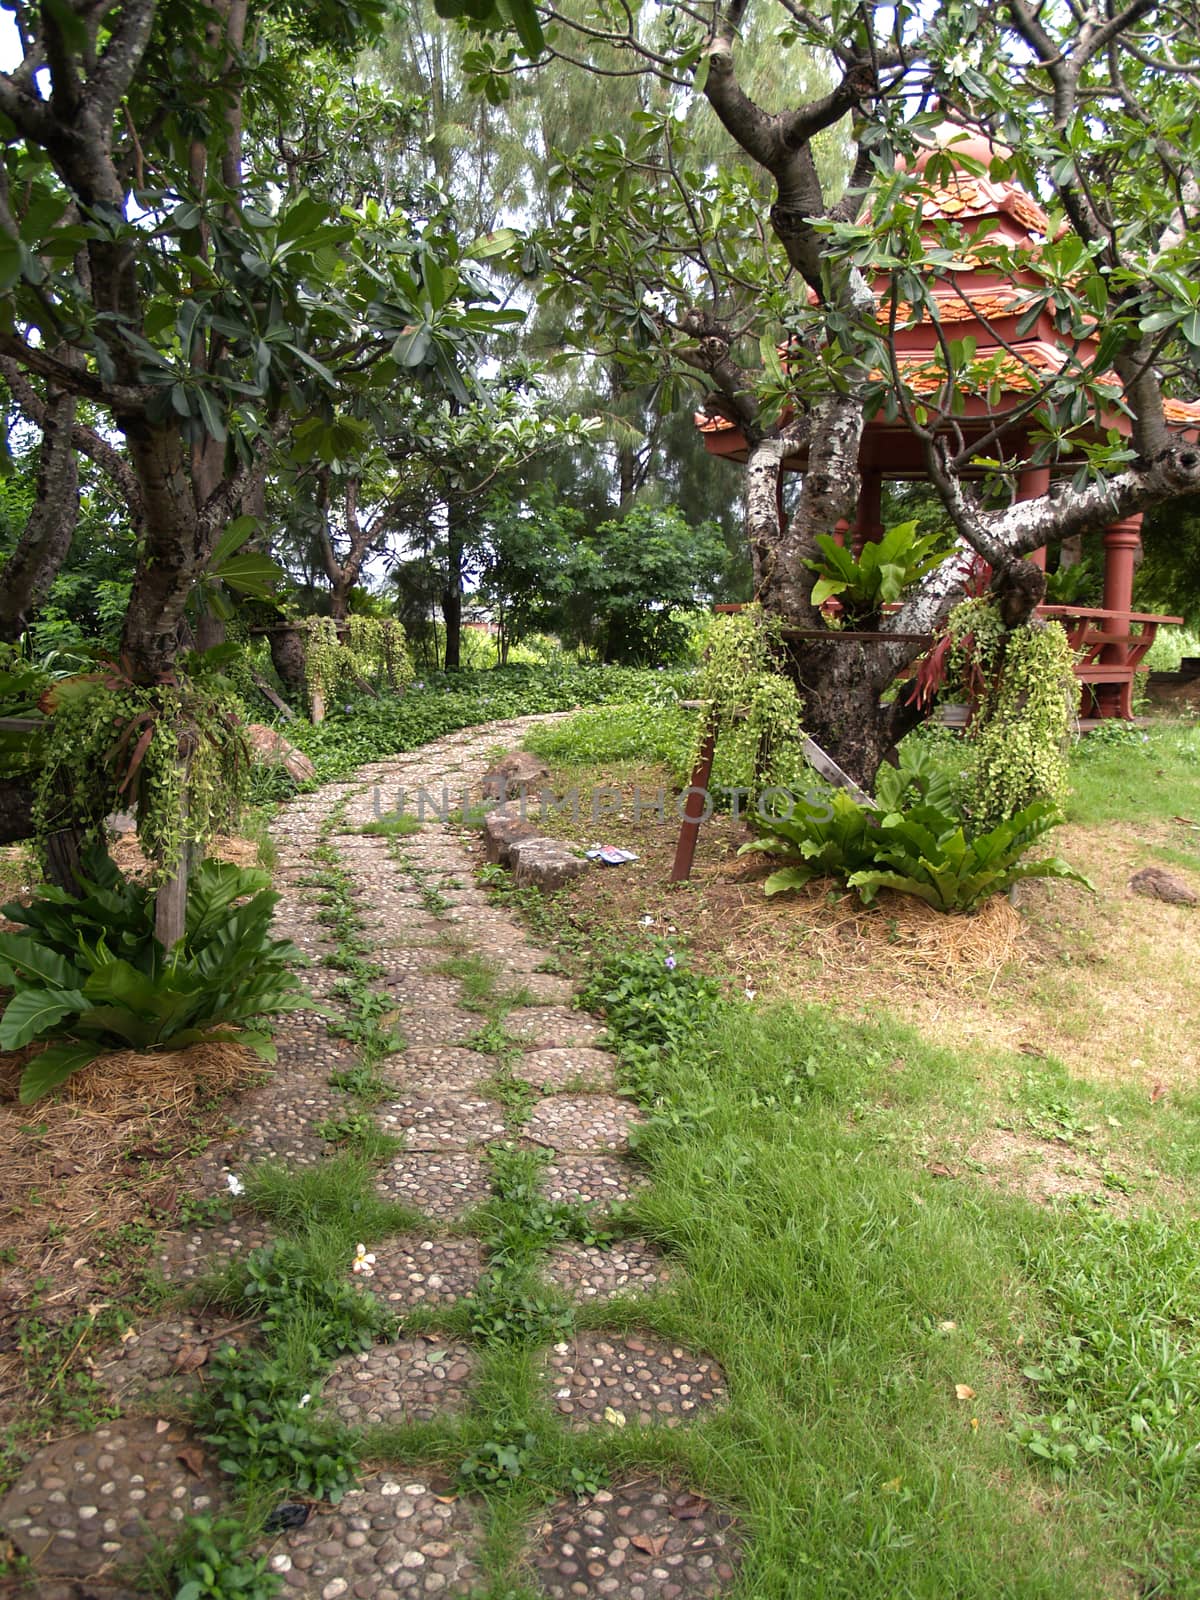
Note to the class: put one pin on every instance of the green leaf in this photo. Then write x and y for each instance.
(32, 1012)
(52, 1067)
(28, 957)
(497, 243)
(304, 216)
(787, 878)
(250, 572)
(824, 588)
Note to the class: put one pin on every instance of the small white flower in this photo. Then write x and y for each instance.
(647, 921)
(749, 993)
(363, 1263)
(234, 1184)
(304, 1399)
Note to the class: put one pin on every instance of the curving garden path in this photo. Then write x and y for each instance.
(86, 1510)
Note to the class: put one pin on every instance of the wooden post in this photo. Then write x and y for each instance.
(1121, 544)
(694, 809)
(868, 521)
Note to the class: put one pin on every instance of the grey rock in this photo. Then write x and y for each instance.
(544, 864)
(517, 770)
(501, 832)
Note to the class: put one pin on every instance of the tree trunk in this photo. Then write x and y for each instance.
(42, 548)
(287, 657)
(452, 593)
(16, 810)
(839, 685)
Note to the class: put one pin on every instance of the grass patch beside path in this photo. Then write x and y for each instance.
(935, 1388)
(373, 729)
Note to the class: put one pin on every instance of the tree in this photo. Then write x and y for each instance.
(206, 311)
(627, 577)
(685, 267)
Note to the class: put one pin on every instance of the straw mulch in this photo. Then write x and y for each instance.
(104, 1149)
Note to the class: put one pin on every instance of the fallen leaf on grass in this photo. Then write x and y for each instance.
(161, 1425)
(935, 1169)
(193, 1459)
(617, 1418)
(1159, 1092)
(947, 1327)
(190, 1357)
(963, 1391)
(650, 1544)
(127, 1334)
(1032, 1050)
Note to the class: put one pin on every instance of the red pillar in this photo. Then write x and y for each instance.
(1031, 485)
(1121, 544)
(868, 522)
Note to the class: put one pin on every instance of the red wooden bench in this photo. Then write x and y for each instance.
(1107, 653)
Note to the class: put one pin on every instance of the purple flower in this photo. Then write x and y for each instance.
(670, 963)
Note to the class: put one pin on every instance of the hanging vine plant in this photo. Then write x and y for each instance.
(322, 658)
(1022, 683)
(172, 751)
(374, 652)
(760, 741)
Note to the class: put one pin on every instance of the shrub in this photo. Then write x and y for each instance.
(829, 836)
(923, 851)
(90, 974)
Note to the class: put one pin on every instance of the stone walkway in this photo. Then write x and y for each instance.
(87, 1510)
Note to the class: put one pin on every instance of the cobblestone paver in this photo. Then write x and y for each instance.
(547, 1027)
(445, 1184)
(591, 1180)
(183, 1257)
(457, 1123)
(599, 1379)
(648, 1541)
(85, 1509)
(413, 1380)
(395, 1538)
(165, 1358)
(436, 1069)
(587, 1272)
(414, 1271)
(583, 1122)
(92, 1503)
(566, 1069)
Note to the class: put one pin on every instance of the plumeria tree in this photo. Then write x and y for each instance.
(755, 280)
(162, 262)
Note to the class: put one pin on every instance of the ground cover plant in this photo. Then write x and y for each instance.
(368, 730)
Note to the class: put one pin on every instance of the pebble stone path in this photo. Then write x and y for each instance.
(86, 1510)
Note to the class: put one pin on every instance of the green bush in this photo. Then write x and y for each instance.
(923, 851)
(90, 974)
(830, 835)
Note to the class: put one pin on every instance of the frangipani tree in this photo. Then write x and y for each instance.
(158, 260)
(771, 300)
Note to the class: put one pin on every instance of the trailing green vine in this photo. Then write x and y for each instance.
(1024, 687)
(173, 751)
(760, 740)
(374, 651)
